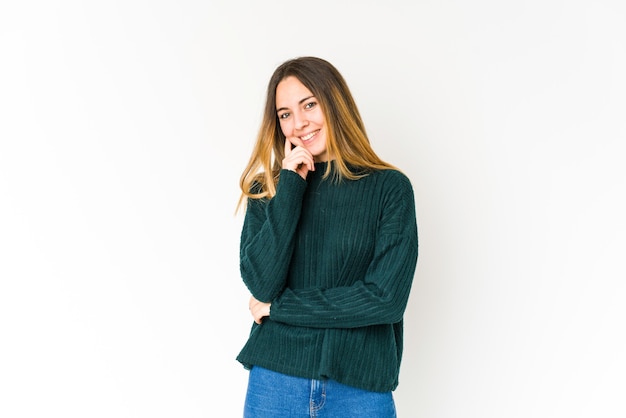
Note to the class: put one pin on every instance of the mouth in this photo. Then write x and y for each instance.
(309, 136)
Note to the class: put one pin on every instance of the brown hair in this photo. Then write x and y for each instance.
(346, 139)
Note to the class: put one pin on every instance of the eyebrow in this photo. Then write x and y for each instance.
(300, 102)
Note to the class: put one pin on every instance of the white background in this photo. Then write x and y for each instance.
(124, 127)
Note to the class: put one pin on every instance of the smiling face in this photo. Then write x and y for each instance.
(301, 118)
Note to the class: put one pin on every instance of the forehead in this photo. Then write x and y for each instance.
(291, 90)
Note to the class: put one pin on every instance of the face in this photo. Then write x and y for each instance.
(301, 117)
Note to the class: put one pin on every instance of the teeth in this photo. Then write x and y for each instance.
(309, 136)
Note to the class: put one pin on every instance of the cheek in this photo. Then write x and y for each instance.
(319, 117)
(284, 127)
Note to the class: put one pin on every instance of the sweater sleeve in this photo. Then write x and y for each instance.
(381, 296)
(267, 237)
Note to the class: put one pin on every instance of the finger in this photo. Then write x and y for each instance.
(257, 316)
(308, 161)
(304, 157)
(287, 146)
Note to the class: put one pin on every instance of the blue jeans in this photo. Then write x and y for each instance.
(275, 395)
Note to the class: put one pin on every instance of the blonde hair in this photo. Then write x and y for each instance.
(346, 139)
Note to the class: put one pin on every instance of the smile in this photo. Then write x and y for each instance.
(309, 136)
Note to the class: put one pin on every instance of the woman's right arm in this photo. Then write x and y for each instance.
(267, 237)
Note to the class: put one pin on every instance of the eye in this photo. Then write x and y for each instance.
(284, 115)
(310, 105)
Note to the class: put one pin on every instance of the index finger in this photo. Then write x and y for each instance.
(287, 146)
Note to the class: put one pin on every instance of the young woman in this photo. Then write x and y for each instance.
(328, 251)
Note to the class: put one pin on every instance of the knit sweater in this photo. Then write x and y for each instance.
(336, 261)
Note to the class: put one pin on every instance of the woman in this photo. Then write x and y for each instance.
(328, 252)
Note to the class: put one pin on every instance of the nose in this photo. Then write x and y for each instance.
(300, 120)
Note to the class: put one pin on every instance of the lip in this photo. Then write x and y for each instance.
(309, 136)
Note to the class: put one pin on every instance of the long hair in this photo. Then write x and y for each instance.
(346, 139)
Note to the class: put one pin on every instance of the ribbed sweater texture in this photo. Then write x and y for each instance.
(336, 260)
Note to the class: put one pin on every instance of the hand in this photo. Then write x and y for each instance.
(258, 309)
(298, 159)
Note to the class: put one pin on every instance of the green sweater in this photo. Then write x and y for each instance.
(336, 260)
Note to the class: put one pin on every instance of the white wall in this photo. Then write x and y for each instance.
(124, 126)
